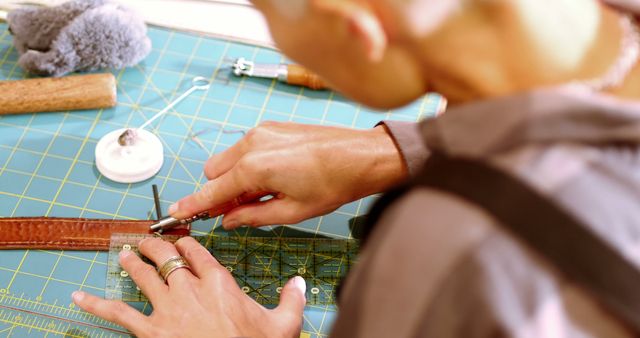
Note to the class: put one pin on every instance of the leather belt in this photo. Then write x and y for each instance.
(70, 233)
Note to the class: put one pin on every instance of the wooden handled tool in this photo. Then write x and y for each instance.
(290, 73)
(58, 94)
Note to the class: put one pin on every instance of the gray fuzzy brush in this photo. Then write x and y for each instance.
(79, 35)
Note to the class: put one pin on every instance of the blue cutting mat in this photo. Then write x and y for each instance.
(46, 167)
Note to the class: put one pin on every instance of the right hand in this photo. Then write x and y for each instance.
(308, 170)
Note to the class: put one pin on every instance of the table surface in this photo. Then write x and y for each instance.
(47, 168)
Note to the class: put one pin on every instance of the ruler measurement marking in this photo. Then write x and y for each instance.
(27, 313)
(9, 315)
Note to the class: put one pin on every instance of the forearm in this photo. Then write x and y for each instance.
(378, 165)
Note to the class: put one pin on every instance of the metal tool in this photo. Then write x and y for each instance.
(156, 201)
(199, 83)
(289, 73)
(170, 222)
(260, 265)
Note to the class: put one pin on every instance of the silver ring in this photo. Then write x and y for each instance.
(172, 264)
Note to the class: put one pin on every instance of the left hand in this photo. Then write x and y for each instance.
(204, 303)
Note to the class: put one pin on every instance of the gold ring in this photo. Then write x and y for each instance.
(172, 264)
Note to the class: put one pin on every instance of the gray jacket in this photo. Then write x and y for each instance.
(438, 266)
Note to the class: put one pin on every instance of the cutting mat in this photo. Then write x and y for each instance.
(46, 168)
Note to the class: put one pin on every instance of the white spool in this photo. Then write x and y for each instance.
(129, 164)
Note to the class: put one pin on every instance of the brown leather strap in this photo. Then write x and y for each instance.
(69, 233)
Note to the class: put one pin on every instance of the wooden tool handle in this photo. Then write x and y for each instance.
(58, 94)
(300, 76)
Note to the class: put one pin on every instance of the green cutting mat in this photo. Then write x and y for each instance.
(46, 168)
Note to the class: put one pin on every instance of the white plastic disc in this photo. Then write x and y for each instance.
(129, 164)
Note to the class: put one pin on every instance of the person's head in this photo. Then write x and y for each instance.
(385, 53)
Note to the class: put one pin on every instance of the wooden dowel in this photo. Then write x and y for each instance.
(91, 91)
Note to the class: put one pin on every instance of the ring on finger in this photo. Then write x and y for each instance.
(172, 264)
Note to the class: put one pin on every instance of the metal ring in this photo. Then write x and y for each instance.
(172, 264)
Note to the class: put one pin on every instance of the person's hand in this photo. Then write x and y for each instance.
(308, 170)
(204, 303)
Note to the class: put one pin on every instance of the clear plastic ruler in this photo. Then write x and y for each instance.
(260, 265)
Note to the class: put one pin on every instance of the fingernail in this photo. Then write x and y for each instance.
(125, 254)
(300, 284)
(77, 296)
(231, 224)
(173, 208)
